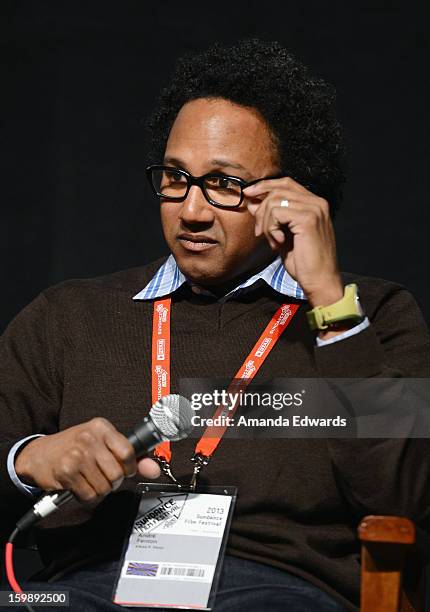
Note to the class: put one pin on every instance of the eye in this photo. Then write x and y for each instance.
(224, 183)
(173, 176)
(221, 183)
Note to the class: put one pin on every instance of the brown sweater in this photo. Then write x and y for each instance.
(82, 349)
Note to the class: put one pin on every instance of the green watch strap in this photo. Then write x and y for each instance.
(346, 309)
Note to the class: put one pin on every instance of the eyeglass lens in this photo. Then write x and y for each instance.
(219, 189)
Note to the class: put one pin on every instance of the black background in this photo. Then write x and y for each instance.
(80, 77)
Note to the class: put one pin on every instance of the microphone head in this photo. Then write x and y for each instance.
(172, 416)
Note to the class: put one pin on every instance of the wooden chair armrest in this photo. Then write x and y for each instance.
(387, 544)
(388, 529)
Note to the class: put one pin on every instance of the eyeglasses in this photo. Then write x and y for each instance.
(219, 190)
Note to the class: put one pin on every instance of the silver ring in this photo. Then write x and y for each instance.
(284, 203)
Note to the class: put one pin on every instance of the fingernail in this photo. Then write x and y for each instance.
(117, 483)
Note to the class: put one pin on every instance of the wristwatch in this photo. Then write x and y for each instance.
(346, 309)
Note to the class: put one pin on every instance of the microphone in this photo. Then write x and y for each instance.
(169, 419)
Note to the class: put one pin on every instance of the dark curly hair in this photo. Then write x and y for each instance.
(298, 108)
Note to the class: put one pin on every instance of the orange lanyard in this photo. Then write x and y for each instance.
(160, 370)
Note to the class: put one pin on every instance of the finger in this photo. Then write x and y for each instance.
(265, 186)
(83, 491)
(305, 205)
(93, 442)
(122, 450)
(253, 207)
(117, 483)
(277, 235)
(301, 200)
(280, 219)
(274, 239)
(95, 477)
(273, 202)
(148, 468)
(80, 488)
(77, 464)
(109, 465)
(256, 208)
(294, 200)
(259, 217)
(100, 428)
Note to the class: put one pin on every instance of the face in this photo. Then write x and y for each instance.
(212, 246)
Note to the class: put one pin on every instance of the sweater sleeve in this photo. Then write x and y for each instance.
(380, 475)
(395, 344)
(30, 391)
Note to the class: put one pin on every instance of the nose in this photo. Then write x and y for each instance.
(196, 210)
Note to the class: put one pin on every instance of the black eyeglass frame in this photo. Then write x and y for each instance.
(199, 181)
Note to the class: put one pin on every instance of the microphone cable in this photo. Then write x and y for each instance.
(10, 573)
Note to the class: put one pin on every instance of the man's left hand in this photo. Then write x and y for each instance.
(302, 233)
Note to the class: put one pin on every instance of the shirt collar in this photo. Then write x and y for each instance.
(169, 278)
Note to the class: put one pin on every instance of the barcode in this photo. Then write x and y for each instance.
(182, 571)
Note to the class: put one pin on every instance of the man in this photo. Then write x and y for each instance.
(76, 363)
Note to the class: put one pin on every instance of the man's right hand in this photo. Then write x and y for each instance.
(90, 460)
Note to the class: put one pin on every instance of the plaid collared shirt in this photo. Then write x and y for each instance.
(169, 278)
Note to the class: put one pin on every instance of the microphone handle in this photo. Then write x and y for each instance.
(63, 498)
(143, 438)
